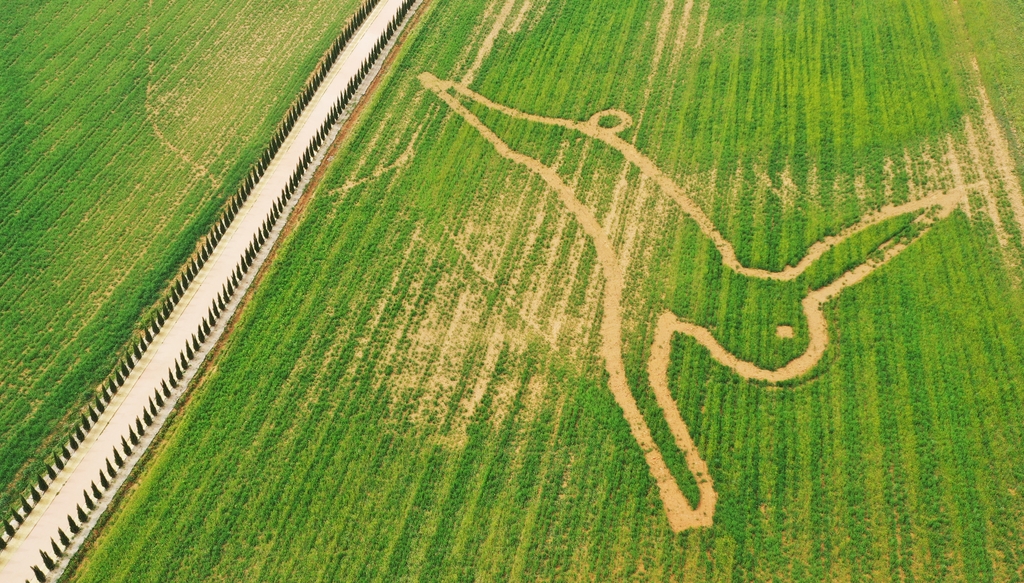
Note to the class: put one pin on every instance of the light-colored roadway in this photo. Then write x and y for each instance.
(65, 493)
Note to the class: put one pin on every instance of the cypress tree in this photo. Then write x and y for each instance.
(146, 416)
(25, 507)
(88, 501)
(138, 424)
(110, 469)
(96, 491)
(103, 480)
(51, 472)
(64, 540)
(8, 528)
(132, 437)
(35, 494)
(81, 514)
(39, 574)
(43, 486)
(124, 444)
(117, 457)
(72, 525)
(56, 549)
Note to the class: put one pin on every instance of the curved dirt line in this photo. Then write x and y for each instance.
(657, 373)
(817, 325)
(610, 137)
(680, 515)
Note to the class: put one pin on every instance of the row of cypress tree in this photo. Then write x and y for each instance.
(162, 394)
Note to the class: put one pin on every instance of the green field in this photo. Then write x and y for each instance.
(123, 130)
(415, 391)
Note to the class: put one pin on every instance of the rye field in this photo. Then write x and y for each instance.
(123, 132)
(618, 290)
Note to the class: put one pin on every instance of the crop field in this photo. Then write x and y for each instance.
(122, 133)
(628, 290)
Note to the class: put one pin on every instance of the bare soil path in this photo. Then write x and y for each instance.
(681, 515)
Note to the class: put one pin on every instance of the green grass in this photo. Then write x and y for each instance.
(98, 213)
(327, 440)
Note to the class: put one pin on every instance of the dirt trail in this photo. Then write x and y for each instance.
(657, 372)
(610, 137)
(817, 326)
(680, 515)
(1000, 151)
